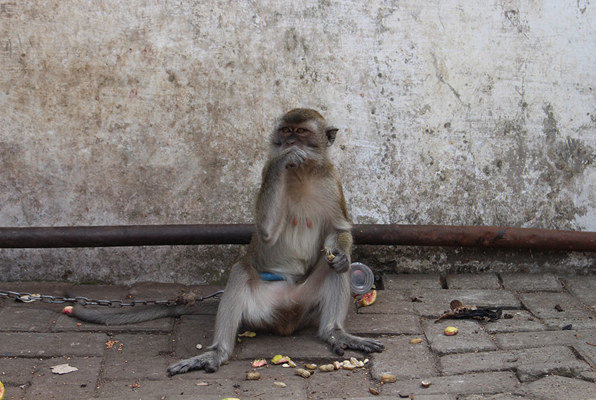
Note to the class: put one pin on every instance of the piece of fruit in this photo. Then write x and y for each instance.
(369, 298)
(68, 310)
(259, 363)
(247, 334)
(450, 331)
(1, 391)
(279, 359)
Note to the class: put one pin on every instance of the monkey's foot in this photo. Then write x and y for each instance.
(340, 341)
(209, 362)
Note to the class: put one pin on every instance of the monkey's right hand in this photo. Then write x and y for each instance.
(293, 157)
(340, 261)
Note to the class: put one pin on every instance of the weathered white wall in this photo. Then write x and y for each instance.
(141, 112)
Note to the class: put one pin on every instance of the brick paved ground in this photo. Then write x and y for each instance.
(546, 350)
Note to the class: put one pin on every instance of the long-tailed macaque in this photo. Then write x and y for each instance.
(295, 270)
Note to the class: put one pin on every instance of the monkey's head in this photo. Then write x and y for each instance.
(306, 129)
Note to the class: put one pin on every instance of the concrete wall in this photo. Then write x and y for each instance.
(149, 112)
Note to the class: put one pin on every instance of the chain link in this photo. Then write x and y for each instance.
(26, 297)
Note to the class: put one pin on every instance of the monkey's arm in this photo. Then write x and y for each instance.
(271, 210)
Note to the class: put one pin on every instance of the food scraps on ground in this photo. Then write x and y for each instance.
(327, 368)
(388, 378)
(374, 391)
(425, 384)
(369, 298)
(311, 367)
(450, 331)
(460, 310)
(279, 359)
(253, 376)
(1, 391)
(303, 373)
(63, 369)
(279, 384)
(68, 310)
(259, 363)
(416, 341)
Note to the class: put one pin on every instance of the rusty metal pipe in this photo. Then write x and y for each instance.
(370, 234)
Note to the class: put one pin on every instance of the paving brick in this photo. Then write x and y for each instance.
(19, 371)
(76, 385)
(473, 281)
(230, 381)
(471, 337)
(530, 364)
(520, 282)
(66, 324)
(587, 351)
(520, 340)
(520, 321)
(304, 346)
(348, 384)
(482, 383)
(582, 287)
(378, 324)
(52, 344)
(412, 282)
(27, 318)
(434, 302)
(499, 396)
(389, 302)
(403, 359)
(554, 305)
(558, 387)
(193, 330)
(137, 356)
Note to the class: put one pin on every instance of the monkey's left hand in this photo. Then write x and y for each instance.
(340, 262)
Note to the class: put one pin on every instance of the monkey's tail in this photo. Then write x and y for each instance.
(130, 316)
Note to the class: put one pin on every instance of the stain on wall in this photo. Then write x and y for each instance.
(450, 112)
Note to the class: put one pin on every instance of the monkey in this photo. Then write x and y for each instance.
(295, 271)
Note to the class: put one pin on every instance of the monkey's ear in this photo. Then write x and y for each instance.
(331, 132)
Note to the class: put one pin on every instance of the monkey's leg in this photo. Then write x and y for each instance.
(335, 297)
(229, 316)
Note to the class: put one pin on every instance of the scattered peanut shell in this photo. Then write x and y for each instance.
(416, 341)
(303, 373)
(311, 367)
(450, 331)
(253, 376)
(336, 364)
(388, 378)
(327, 368)
(425, 384)
(374, 391)
(199, 346)
(279, 384)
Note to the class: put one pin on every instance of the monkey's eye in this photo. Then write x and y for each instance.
(285, 130)
(300, 130)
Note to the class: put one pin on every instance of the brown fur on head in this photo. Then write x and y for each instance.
(306, 129)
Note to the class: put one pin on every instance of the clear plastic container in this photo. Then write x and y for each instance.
(362, 278)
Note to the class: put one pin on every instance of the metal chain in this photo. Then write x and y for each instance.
(26, 297)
